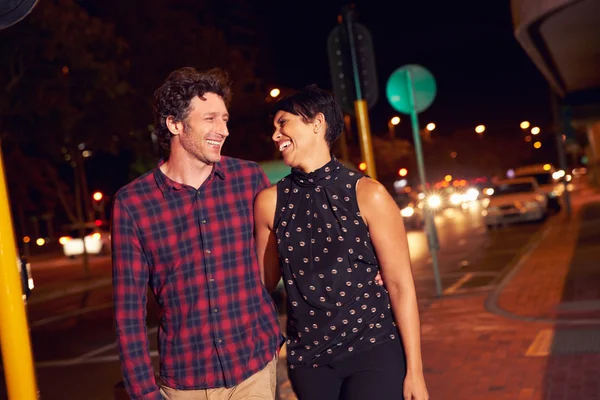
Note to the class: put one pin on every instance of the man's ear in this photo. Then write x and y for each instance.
(175, 127)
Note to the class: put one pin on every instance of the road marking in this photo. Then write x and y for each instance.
(56, 318)
(89, 357)
(458, 274)
(540, 347)
(70, 291)
(458, 283)
(78, 361)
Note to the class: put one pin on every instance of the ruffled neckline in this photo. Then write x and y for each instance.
(319, 177)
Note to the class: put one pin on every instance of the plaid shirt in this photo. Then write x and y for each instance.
(196, 251)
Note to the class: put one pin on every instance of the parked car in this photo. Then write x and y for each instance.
(548, 181)
(97, 241)
(515, 200)
(24, 269)
(411, 213)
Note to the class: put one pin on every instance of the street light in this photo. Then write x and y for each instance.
(480, 129)
(362, 166)
(274, 92)
(528, 138)
(97, 196)
(537, 145)
(535, 130)
(430, 126)
(402, 172)
(524, 125)
(392, 126)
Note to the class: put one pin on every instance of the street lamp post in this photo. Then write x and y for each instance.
(392, 126)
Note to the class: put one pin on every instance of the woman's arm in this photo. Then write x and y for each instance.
(266, 244)
(386, 229)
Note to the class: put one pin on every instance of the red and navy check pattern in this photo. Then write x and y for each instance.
(196, 251)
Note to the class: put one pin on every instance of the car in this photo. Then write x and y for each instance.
(515, 200)
(24, 269)
(97, 241)
(548, 180)
(412, 215)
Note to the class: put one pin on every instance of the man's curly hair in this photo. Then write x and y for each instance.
(173, 98)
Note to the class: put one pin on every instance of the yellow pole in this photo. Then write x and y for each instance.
(364, 132)
(14, 333)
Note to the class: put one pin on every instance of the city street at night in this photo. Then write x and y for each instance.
(415, 184)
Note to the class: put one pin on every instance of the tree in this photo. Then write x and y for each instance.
(164, 36)
(63, 73)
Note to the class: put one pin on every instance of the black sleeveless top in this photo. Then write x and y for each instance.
(328, 265)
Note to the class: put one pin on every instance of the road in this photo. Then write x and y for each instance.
(72, 327)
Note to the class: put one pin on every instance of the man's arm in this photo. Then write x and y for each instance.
(130, 285)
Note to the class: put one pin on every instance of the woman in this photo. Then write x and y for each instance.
(330, 230)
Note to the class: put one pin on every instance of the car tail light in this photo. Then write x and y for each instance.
(63, 240)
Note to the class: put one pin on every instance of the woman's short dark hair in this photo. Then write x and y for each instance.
(173, 98)
(310, 101)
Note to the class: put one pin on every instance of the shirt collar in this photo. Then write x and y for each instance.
(166, 184)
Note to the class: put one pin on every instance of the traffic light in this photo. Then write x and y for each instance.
(341, 47)
(402, 172)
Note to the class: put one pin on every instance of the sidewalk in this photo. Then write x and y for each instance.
(537, 336)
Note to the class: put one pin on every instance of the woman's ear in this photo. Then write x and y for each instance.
(319, 122)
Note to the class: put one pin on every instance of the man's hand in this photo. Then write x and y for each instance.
(379, 279)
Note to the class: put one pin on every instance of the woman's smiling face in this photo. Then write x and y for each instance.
(294, 137)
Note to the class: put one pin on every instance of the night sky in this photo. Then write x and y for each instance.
(482, 73)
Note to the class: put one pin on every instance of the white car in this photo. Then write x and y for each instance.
(515, 200)
(548, 179)
(96, 242)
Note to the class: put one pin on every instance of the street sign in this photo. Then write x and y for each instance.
(340, 65)
(411, 90)
(397, 89)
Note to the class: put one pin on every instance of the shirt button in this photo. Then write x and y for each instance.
(220, 340)
(207, 251)
(204, 221)
(212, 279)
(216, 310)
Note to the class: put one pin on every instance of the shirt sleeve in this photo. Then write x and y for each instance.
(130, 286)
(262, 180)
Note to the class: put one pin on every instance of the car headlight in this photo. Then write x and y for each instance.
(472, 194)
(407, 212)
(455, 199)
(434, 201)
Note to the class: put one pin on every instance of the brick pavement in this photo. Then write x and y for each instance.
(517, 343)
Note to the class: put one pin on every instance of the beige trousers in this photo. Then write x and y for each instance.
(260, 386)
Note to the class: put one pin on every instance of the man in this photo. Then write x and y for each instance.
(186, 229)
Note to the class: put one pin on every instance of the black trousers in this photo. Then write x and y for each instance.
(376, 373)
